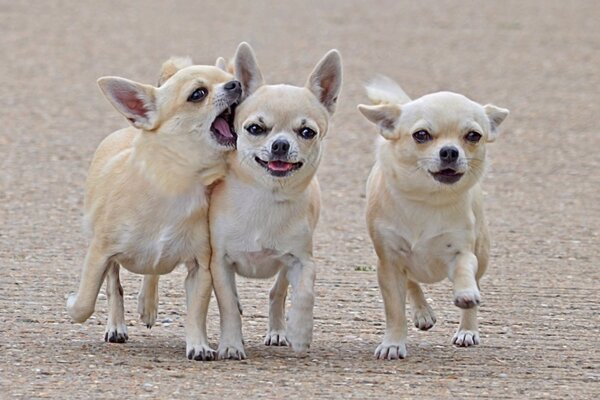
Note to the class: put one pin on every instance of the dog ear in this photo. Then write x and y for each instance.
(221, 63)
(137, 102)
(325, 81)
(171, 66)
(385, 116)
(246, 69)
(495, 115)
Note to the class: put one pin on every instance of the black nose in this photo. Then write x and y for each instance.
(449, 154)
(280, 147)
(233, 85)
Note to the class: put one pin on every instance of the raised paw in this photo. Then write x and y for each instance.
(464, 338)
(148, 311)
(391, 351)
(200, 353)
(467, 298)
(424, 318)
(116, 334)
(231, 352)
(276, 338)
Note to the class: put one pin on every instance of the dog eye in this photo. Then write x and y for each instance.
(422, 136)
(198, 95)
(473, 137)
(255, 129)
(307, 133)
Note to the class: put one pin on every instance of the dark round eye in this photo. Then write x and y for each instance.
(422, 136)
(473, 137)
(255, 129)
(198, 95)
(307, 133)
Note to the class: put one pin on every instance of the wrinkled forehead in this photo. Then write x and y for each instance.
(444, 110)
(285, 104)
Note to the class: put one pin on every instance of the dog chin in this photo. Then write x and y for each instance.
(279, 168)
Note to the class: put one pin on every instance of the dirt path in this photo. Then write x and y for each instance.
(540, 313)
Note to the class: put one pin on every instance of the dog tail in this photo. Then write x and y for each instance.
(171, 66)
(383, 90)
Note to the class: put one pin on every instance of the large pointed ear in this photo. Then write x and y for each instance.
(246, 69)
(326, 80)
(496, 115)
(171, 66)
(385, 116)
(134, 100)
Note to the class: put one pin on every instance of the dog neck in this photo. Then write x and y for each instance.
(174, 167)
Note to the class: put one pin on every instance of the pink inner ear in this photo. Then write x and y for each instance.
(133, 103)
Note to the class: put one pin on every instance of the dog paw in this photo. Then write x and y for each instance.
(424, 318)
(200, 353)
(464, 338)
(148, 310)
(391, 351)
(231, 352)
(276, 338)
(467, 298)
(116, 333)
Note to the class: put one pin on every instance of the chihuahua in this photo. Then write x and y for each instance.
(425, 205)
(146, 201)
(263, 214)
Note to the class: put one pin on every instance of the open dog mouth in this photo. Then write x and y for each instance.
(447, 175)
(279, 168)
(222, 127)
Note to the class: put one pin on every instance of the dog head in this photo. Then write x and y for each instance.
(193, 104)
(281, 127)
(438, 141)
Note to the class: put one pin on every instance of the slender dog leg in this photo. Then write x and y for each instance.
(148, 300)
(468, 330)
(301, 273)
(231, 345)
(81, 306)
(116, 330)
(276, 333)
(462, 274)
(393, 290)
(198, 286)
(423, 316)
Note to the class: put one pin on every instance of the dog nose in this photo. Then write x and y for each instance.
(280, 147)
(233, 85)
(449, 154)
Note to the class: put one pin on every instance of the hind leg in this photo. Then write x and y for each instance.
(276, 333)
(80, 306)
(198, 287)
(423, 316)
(116, 330)
(148, 300)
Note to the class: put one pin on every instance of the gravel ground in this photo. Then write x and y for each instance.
(540, 314)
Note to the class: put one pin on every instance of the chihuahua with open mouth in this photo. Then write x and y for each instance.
(263, 214)
(425, 205)
(146, 200)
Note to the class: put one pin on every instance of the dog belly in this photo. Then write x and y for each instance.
(256, 264)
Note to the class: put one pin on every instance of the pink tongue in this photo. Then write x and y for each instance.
(280, 166)
(223, 128)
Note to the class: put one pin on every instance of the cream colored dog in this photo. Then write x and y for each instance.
(424, 205)
(263, 215)
(146, 197)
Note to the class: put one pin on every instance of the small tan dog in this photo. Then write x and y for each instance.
(424, 205)
(263, 215)
(146, 200)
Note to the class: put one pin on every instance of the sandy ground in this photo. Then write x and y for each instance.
(540, 313)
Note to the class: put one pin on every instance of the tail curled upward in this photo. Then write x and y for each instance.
(383, 90)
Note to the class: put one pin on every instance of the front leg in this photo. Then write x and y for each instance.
(198, 285)
(276, 333)
(231, 344)
(301, 273)
(392, 283)
(466, 296)
(116, 329)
